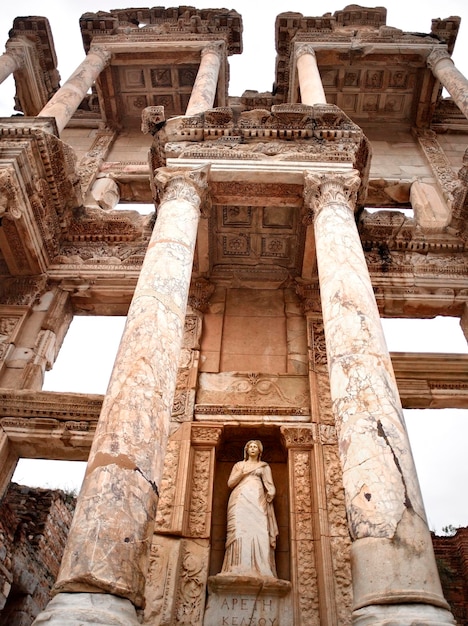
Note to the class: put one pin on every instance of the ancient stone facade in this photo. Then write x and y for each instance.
(253, 297)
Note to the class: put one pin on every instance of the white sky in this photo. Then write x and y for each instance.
(438, 437)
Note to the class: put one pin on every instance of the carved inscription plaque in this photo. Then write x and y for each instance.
(247, 601)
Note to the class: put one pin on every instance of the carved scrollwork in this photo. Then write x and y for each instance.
(199, 500)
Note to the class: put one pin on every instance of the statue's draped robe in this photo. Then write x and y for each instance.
(251, 522)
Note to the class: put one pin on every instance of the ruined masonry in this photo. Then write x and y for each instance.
(253, 295)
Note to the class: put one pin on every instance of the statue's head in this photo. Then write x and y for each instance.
(259, 446)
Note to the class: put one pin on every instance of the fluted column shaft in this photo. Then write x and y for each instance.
(204, 89)
(310, 83)
(67, 99)
(10, 61)
(109, 540)
(455, 83)
(393, 560)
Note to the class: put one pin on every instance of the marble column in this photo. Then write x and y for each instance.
(67, 99)
(394, 571)
(10, 61)
(310, 82)
(204, 89)
(455, 83)
(108, 545)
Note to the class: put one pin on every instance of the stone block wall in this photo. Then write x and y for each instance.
(452, 560)
(34, 526)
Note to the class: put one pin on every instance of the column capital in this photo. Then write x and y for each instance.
(200, 293)
(437, 54)
(101, 51)
(216, 47)
(188, 185)
(323, 188)
(303, 48)
(14, 48)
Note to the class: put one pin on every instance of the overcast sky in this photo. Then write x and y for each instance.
(438, 438)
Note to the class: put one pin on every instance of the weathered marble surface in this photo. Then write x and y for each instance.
(252, 529)
(10, 61)
(67, 99)
(451, 78)
(385, 511)
(88, 609)
(310, 83)
(204, 89)
(244, 600)
(109, 539)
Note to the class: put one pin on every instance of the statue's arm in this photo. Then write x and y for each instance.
(268, 483)
(236, 475)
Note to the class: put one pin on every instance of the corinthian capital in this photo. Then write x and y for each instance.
(303, 48)
(213, 46)
(101, 51)
(324, 188)
(188, 185)
(437, 54)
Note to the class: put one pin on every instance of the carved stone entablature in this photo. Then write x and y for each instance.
(174, 24)
(448, 117)
(240, 394)
(386, 231)
(252, 99)
(95, 225)
(38, 190)
(151, 119)
(446, 30)
(23, 291)
(38, 78)
(286, 121)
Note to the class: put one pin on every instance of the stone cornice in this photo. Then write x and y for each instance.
(159, 24)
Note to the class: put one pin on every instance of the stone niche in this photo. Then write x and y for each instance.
(247, 600)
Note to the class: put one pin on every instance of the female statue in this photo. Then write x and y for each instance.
(251, 522)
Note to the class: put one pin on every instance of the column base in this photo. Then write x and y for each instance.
(87, 609)
(402, 615)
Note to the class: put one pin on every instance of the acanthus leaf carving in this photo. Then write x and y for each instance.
(325, 188)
